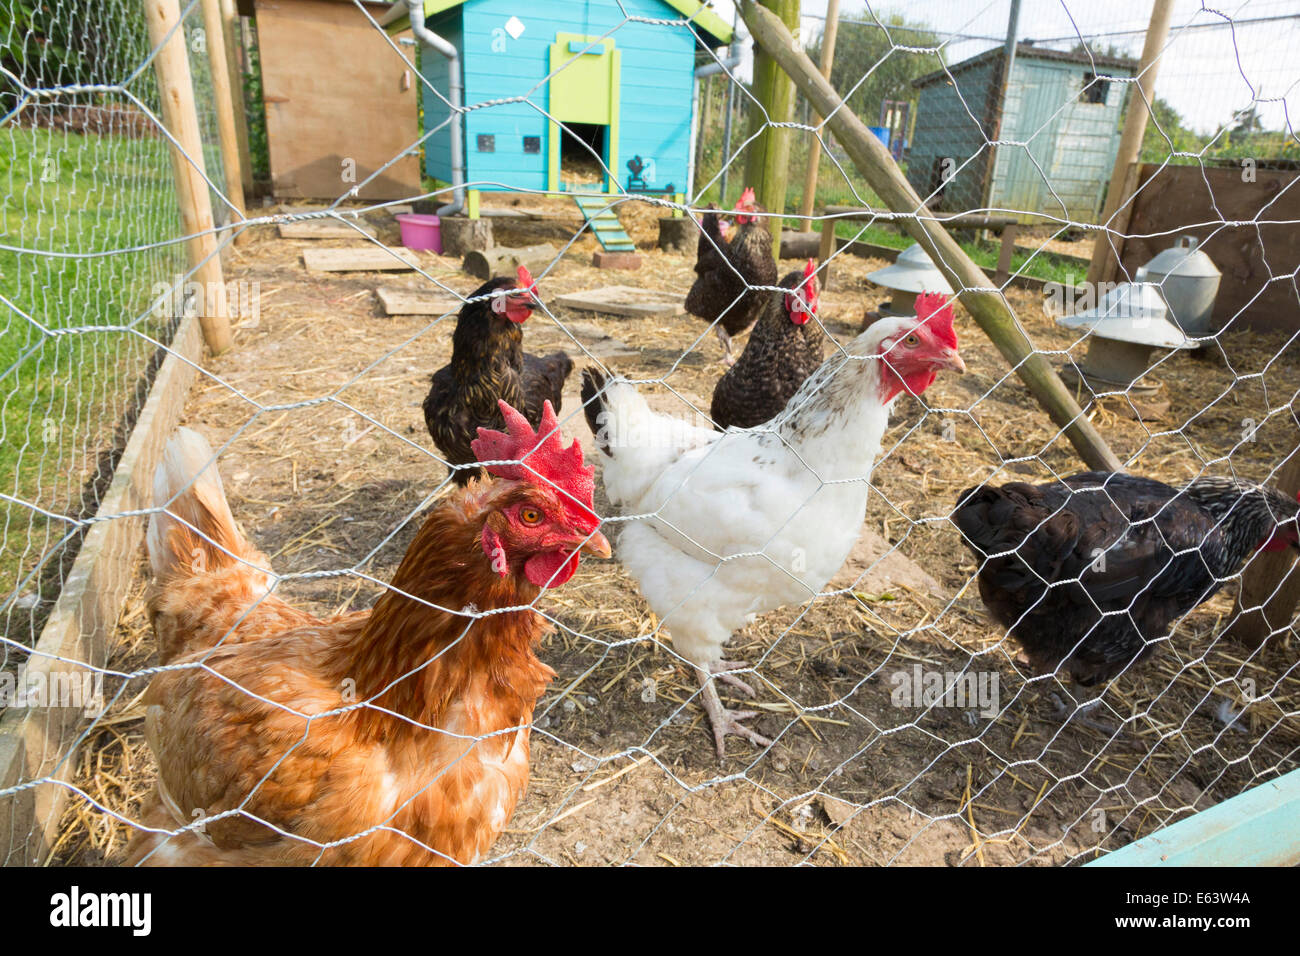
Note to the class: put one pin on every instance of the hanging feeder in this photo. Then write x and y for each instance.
(909, 275)
(1188, 281)
(1130, 321)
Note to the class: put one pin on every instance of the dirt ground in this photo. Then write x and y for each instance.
(623, 765)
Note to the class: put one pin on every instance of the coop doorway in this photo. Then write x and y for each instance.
(583, 157)
(582, 97)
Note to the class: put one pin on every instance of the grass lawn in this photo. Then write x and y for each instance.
(62, 396)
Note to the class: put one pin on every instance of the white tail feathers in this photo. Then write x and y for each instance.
(194, 531)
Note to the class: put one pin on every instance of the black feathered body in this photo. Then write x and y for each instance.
(745, 261)
(1127, 557)
(488, 363)
(777, 358)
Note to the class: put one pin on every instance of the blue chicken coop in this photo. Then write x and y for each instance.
(581, 78)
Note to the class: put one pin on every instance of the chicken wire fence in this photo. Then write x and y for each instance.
(90, 235)
(905, 727)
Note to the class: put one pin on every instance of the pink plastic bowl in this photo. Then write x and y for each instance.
(420, 231)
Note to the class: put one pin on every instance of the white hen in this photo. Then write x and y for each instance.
(729, 525)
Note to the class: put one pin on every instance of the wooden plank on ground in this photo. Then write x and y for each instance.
(623, 300)
(324, 229)
(37, 743)
(360, 259)
(398, 301)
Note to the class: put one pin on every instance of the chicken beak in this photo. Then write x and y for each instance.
(597, 546)
(950, 359)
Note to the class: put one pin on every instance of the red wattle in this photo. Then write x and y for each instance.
(550, 569)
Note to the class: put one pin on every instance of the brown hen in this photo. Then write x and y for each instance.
(395, 736)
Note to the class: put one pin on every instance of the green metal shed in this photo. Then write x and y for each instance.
(1064, 107)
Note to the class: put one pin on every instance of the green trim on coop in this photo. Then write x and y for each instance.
(1260, 827)
(584, 88)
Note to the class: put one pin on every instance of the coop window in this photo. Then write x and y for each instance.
(532, 144)
(487, 143)
(1094, 89)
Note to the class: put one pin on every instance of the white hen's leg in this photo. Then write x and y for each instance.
(726, 721)
(721, 670)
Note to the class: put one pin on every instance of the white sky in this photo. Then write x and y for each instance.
(1206, 73)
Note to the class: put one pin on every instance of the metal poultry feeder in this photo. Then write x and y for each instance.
(1189, 282)
(912, 273)
(1130, 321)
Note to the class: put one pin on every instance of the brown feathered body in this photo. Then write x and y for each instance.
(778, 357)
(394, 736)
(488, 363)
(726, 271)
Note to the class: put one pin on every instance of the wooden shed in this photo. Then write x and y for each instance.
(619, 75)
(1066, 107)
(341, 103)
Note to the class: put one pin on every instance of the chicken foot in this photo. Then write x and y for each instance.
(722, 720)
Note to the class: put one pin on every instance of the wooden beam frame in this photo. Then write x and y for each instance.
(983, 300)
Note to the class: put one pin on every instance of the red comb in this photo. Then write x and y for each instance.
(810, 285)
(934, 310)
(542, 460)
(525, 278)
(746, 197)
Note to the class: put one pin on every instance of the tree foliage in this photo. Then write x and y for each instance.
(868, 70)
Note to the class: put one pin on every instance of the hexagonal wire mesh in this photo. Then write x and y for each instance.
(902, 724)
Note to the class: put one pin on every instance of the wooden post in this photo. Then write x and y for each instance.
(1123, 178)
(176, 90)
(815, 146)
(702, 131)
(1270, 585)
(224, 103)
(230, 21)
(978, 295)
(767, 166)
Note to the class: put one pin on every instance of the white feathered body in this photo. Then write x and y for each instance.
(720, 527)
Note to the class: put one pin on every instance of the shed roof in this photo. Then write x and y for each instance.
(716, 32)
(1029, 52)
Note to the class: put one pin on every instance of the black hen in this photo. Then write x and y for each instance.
(783, 350)
(727, 272)
(488, 363)
(1127, 557)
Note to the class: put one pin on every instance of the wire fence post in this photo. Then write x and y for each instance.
(234, 48)
(815, 146)
(224, 101)
(767, 167)
(180, 115)
(1123, 179)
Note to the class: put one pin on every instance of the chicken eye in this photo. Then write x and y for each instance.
(530, 516)
(912, 341)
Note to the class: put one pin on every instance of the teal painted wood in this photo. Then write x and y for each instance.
(604, 222)
(655, 88)
(951, 126)
(1260, 827)
(1072, 140)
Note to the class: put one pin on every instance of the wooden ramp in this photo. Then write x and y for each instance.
(605, 224)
